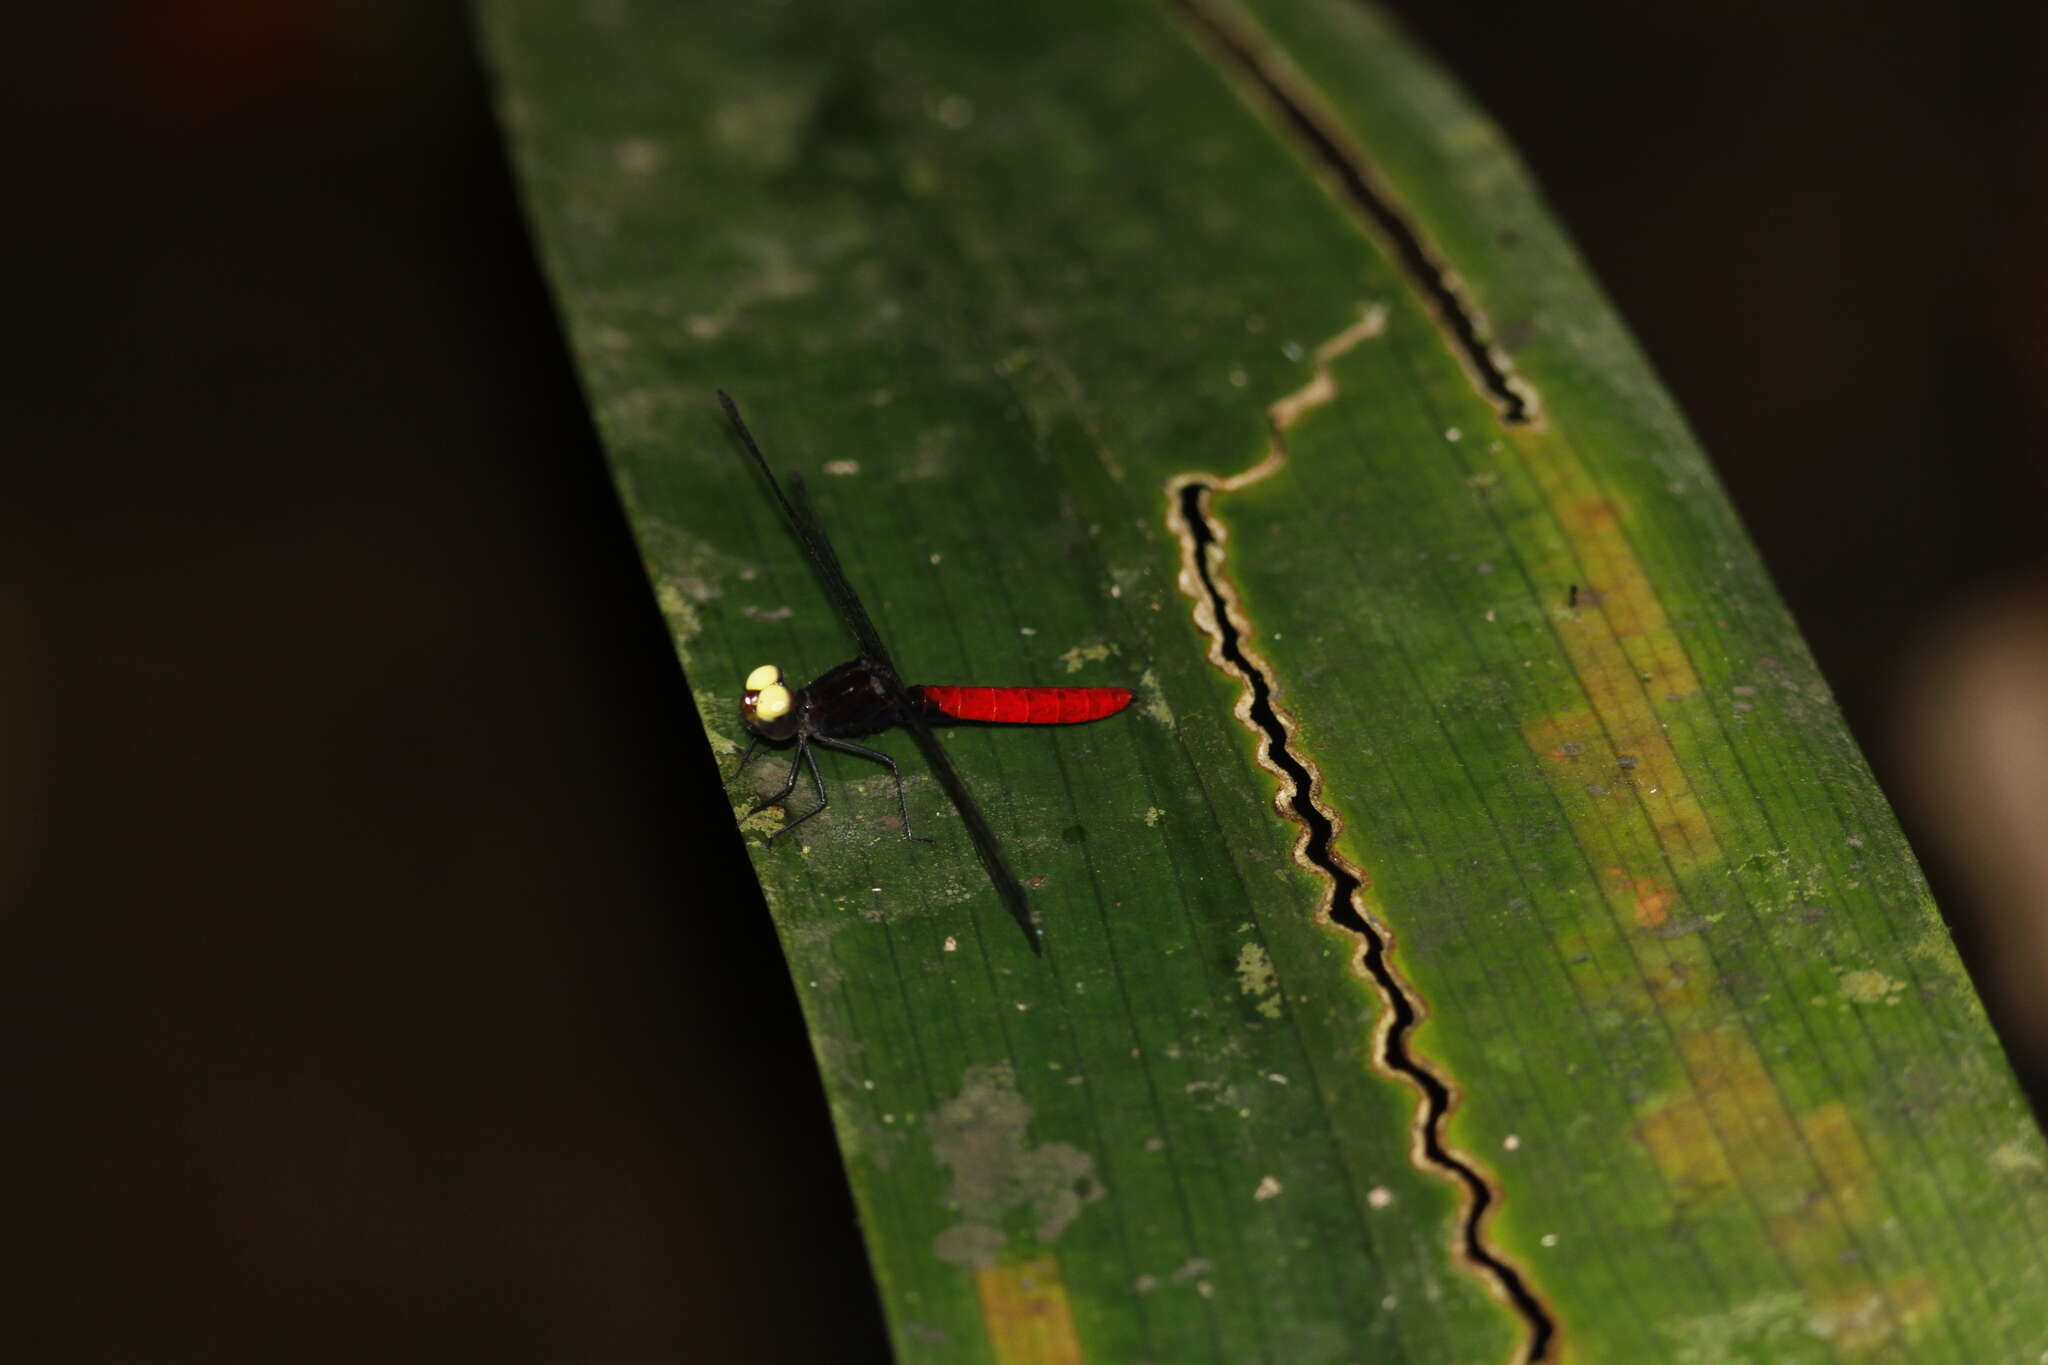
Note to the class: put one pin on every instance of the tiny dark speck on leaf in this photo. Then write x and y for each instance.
(1075, 834)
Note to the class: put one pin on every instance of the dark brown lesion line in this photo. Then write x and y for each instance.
(1270, 86)
(1322, 139)
(1202, 549)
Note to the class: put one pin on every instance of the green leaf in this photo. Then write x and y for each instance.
(1481, 939)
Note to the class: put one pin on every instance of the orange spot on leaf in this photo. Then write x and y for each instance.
(1588, 516)
(1653, 899)
(1024, 1307)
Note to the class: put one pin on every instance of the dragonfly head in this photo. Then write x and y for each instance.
(768, 707)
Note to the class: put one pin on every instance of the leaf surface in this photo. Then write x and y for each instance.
(1481, 940)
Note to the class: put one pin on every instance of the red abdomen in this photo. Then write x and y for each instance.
(1027, 705)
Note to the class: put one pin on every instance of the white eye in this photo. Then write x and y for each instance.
(767, 675)
(772, 703)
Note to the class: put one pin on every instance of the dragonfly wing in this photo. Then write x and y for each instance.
(850, 609)
(1006, 883)
(796, 504)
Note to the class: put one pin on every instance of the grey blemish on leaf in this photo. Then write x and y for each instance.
(979, 1135)
(973, 1245)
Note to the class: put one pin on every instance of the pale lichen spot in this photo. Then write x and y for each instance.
(1763, 1327)
(1155, 700)
(1869, 1318)
(769, 820)
(684, 625)
(953, 111)
(1256, 978)
(1268, 1188)
(842, 469)
(1075, 659)
(921, 178)
(1866, 987)
(765, 127)
(716, 711)
(2016, 1156)
(639, 155)
(1152, 815)
(952, 944)
(1378, 1197)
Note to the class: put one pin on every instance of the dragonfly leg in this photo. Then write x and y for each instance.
(753, 747)
(803, 755)
(902, 804)
(788, 785)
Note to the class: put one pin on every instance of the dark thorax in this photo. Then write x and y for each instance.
(858, 697)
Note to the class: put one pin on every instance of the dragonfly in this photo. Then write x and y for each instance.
(866, 695)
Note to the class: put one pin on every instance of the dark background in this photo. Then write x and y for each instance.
(379, 975)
